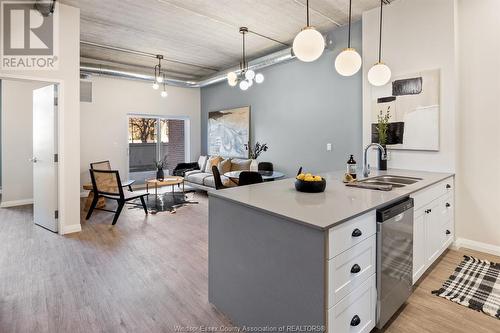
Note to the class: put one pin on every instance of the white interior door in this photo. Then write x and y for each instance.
(44, 157)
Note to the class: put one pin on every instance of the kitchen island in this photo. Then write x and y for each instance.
(278, 257)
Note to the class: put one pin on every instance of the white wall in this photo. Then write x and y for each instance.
(17, 141)
(478, 188)
(104, 122)
(68, 76)
(417, 35)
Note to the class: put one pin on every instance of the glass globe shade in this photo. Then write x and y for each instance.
(244, 85)
(308, 45)
(156, 86)
(259, 78)
(348, 62)
(379, 74)
(159, 79)
(249, 75)
(232, 79)
(164, 93)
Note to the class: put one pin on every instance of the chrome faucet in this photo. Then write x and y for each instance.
(366, 166)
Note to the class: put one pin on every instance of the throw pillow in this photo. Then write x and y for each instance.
(212, 160)
(238, 164)
(224, 166)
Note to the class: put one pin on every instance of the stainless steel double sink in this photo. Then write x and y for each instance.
(395, 181)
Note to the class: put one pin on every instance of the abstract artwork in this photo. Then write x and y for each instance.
(228, 132)
(413, 102)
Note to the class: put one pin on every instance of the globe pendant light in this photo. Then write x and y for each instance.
(309, 44)
(247, 77)
(380, 73)
(348, 62)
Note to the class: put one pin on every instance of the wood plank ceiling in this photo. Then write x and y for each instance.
(199, 32)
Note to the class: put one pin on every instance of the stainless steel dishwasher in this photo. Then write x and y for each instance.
(394, 258)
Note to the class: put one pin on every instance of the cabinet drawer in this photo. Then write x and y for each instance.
(350, 269)
(350, 233)
(433, 192)
(446, 208)
(355, 313)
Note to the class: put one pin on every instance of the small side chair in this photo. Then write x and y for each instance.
(107, 184)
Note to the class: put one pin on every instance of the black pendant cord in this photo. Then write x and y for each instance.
(380, 33)
(349, 33)
(307, 13)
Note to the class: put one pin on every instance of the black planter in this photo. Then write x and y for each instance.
(382, 162)
(160, 175)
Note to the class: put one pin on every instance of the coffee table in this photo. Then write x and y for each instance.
(167, 201)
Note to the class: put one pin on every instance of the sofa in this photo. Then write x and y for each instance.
(203, 178)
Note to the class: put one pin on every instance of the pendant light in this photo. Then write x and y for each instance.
(380, 73)
(309, 44)
(160, 77)
(247, 76)
(348, 62)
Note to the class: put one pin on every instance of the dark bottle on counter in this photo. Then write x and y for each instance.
(351, 167)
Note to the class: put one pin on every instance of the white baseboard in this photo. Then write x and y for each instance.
(69, 229)
(477, 246)
(14, 203)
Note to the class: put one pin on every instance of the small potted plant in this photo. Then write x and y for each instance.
(160, 175)
(383, 128)
(254, 152)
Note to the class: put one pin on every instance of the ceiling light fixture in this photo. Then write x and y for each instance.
(348, 62)
(309, 43)
(247, 75)
(380, 73)
(160, 77)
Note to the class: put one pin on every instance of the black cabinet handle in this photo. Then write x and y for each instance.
(448, 204)
(356, 233)
(355, 321)
(428, 211)
(355, 269)
(448, 232)
(448, 186)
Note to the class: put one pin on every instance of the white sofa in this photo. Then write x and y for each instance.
(203, 179)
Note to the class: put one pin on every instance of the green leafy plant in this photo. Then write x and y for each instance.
(383, 125)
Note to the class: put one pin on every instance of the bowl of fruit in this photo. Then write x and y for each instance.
(309, 183)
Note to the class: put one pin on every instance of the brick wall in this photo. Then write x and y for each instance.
(174, 149)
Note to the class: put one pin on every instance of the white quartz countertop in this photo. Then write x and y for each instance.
(337, 204)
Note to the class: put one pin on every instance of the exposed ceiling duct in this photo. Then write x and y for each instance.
(259, 63)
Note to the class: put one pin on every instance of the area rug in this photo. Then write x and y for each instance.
(475, 283)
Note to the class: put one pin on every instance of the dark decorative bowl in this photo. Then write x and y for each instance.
(310, 187)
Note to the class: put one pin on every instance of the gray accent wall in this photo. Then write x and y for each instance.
(298, 109)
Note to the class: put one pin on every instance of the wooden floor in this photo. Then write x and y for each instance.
(150, 275)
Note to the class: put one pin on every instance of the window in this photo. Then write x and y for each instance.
(154, 139)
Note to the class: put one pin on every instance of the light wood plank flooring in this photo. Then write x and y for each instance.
(149, 275)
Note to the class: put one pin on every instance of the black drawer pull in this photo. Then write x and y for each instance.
(448, 204)
(448, 186)
(355, 269)
(355, 321)
(448, 232)
(428, 211)
(356, 233)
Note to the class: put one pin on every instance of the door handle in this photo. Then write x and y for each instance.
(355, 321)
(356, 233)
(355, 269)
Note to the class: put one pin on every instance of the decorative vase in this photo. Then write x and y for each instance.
(254, 166)
(160, 175)
(382, 159)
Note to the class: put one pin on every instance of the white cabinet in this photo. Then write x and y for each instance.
(419, 259)
(352, 290)
(433, 225)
